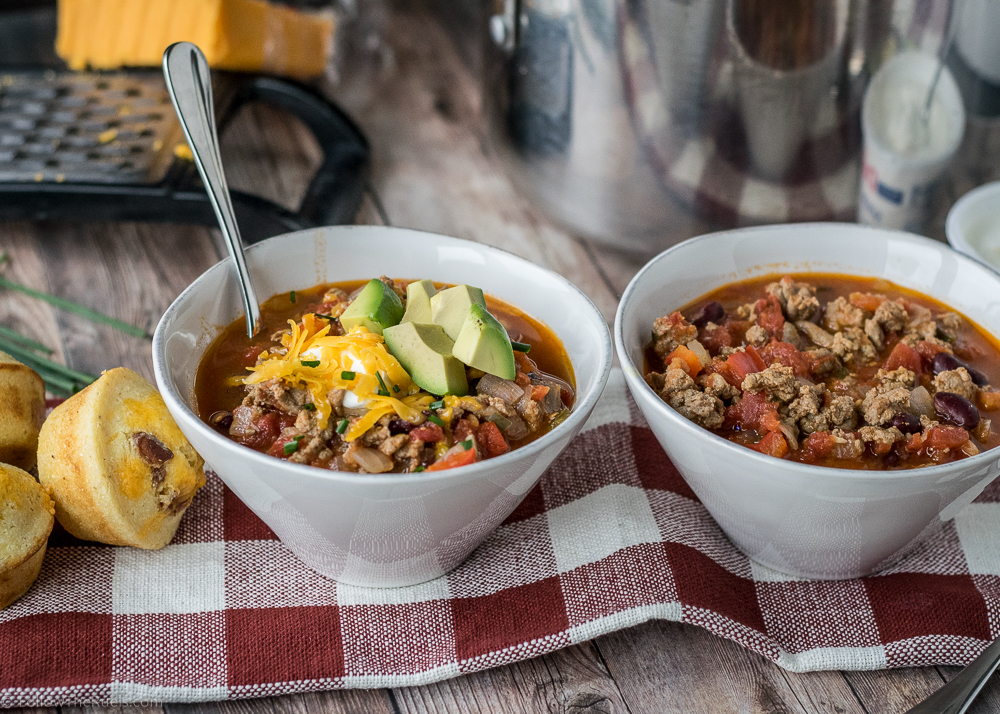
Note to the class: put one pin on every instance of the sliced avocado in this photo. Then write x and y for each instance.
(450, 307)
(376, 307)
(418, 302)
(425, 353)
(483, 343)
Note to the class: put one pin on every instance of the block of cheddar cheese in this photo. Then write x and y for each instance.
(240, 35)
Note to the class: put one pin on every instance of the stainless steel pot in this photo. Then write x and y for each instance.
(623, 119)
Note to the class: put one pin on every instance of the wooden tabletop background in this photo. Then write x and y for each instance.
(413, 89)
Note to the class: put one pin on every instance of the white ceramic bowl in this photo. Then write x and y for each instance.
(973, 224)
(804, 520)
(384, 529)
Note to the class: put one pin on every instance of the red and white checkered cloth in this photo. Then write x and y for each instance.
(610, 538)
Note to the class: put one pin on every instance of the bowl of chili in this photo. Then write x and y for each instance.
(374, 529)
(751, 356)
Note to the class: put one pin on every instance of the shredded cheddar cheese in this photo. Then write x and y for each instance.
(316, 361)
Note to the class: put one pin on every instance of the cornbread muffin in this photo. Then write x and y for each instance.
(25, 523)
(22, 410)
(118, 467)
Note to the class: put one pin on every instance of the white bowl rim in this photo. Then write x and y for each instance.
(582, 406)
(799, 468)
(954, 233)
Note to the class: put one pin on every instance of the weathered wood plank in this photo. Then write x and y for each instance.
(352, 701)
(893, 690)
(28, 316)
(669, 667)
(130, 271)
(572, 680)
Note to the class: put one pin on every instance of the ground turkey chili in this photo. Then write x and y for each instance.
(831, 370)
(272, 394)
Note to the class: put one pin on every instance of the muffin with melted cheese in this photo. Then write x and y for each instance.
(22, 410)
(26, 518)
(118, 467)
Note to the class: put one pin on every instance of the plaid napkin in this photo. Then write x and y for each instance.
(610, 538)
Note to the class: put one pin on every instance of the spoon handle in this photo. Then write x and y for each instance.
(190, 86)
(956, 696)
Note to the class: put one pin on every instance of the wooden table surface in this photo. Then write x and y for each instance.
(411, 90)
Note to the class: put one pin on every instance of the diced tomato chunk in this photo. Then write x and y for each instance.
(817, 445)
(458, 457)
(866, 301)
(278, 447)
(946, 437)
(928, 350)
(524, 362)
(939, 437)
(903, 355)
(769, 315)
(462, 430)
(773, 444)
(716, 338)
(744, 363)
(723, 369)
(428, 432)
(491, 441)
(788, 355)
(689, 360)
(250, 358)
(267, 427)
(753, 412)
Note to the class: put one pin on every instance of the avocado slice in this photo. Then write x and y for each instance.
(483, 343)
(418, 302)
(450, 307)
(425, 353)
(376, 307)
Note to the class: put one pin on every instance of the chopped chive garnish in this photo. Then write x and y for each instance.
(309, 362)
(395, 388)
(439, 404)
(325, 317)
(310, 407)
(383, 391)
(291, 296)
(418, 469)
(467, 444)
(292, 446)
(347, 376)
(435, 419)
(41, 364)
(520, 346)
(75, 308)
(342, 426)
(21, 339)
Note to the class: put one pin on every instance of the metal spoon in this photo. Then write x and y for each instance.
(190, 86)
(956, 696)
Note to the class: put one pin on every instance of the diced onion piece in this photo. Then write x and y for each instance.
(493, 386)
(921, 402)
(699, 349)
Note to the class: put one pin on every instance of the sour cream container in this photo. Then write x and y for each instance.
(904, 155)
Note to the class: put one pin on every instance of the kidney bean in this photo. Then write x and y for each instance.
(891, 459)
(401, 426)
(944, 362)
(709, 312)
(906, 423)
(956, 409)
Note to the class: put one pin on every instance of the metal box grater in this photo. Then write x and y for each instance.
(85, 128)
(101, 146)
